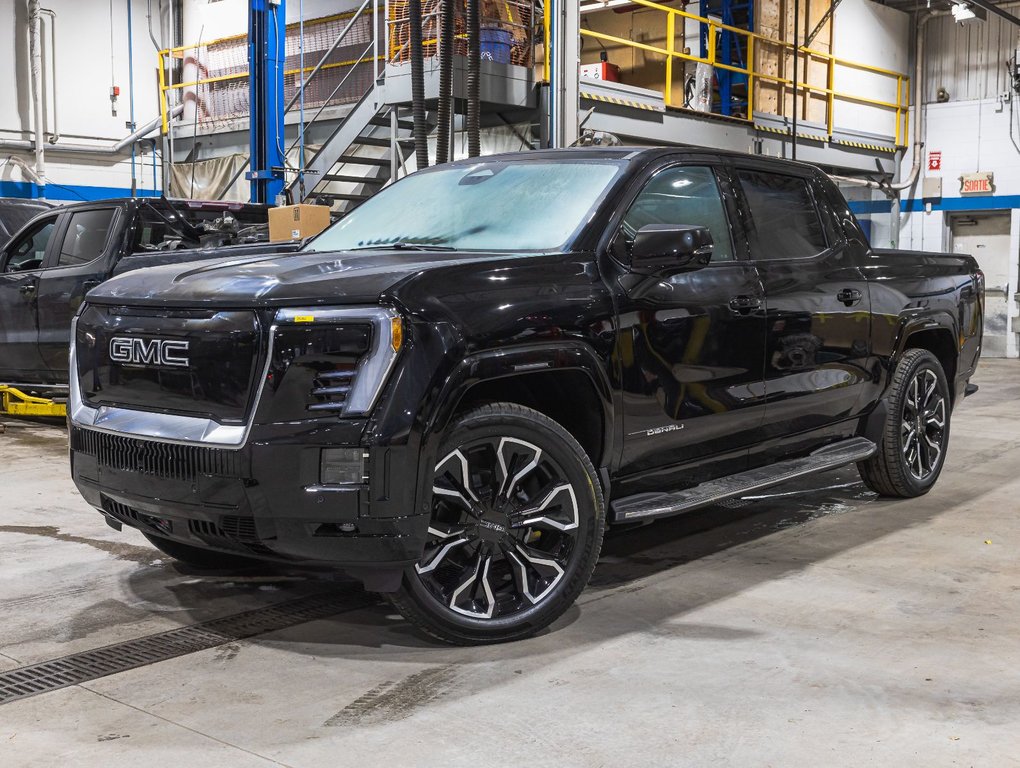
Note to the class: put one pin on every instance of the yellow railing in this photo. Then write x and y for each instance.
(899, 108)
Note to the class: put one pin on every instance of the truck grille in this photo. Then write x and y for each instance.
(163, 460)
(234, 530)
(186, 362)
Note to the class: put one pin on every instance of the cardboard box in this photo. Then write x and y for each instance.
(296, 222)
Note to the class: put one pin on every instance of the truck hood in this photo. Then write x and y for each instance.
(343, 277)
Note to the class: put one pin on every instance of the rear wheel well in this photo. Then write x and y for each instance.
(568, 397)
(940, 343)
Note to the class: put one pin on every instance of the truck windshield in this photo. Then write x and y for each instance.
(492, 206)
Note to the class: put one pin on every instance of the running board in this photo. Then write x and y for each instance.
(644, 506)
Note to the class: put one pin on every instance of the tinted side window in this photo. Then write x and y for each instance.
(682, 195)
(29, 250)
(86, 237)
(786, 222)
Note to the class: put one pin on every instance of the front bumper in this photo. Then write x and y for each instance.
(265, 499)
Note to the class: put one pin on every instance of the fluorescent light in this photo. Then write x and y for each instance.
(963, 12)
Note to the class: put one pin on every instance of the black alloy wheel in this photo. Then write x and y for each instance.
(916, 431)
(515, 527)
(924, 424)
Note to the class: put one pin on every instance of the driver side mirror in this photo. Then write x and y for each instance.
(667, 249)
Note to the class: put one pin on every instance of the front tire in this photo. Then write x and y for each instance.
(517, 519)
(915, 436)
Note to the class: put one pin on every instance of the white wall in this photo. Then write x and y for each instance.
(972, 136)
(83, 79)
(867, 33)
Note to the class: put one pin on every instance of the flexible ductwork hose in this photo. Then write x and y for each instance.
(474, 65)
(420, 130)
(445, 83)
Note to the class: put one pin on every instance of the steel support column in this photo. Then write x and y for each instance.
(564, 60)
(267, 30)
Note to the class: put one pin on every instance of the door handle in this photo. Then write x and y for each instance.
(88, 285)
(744, 304)
(27, 290)
(849, 296)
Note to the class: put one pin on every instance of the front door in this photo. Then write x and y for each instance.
(691, 345)
(21, 263)
(78, 264)
(986, 237)
(818, 323)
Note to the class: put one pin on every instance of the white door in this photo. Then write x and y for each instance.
(986, 238)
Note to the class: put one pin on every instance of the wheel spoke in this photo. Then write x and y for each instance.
(563, 494)
(933, 451)
(545, 571)
(457, 487)
(908, 441)
(936, 415)
(467, 589)
(516, 467)
(930, 388)
(912, 396)
(433, 562)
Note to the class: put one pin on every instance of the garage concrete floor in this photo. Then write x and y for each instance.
(813, 626)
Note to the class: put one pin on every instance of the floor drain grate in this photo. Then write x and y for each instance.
(82, 667)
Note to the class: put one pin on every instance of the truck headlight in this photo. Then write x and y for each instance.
(335, 361)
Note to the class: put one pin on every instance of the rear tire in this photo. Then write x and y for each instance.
(517, 519)
(200, 558)
(915, 436)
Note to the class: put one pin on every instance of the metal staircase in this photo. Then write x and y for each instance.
(362, 154)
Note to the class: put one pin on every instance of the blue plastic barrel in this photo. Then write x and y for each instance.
(495, 44)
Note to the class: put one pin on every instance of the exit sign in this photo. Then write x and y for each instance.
(977, 183)
(935, 160)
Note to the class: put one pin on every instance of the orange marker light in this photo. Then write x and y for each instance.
(396, 333)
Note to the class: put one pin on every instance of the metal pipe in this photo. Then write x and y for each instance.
(55, 133)
(131, 97)
(26, 170)
(796, 62)
(89, 149)
(35, 53)
(148, 16)
(421, 147)
(474, 65)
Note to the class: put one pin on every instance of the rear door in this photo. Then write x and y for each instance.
(818, 309)
(21, 264)
(691, 346)
(81, 260)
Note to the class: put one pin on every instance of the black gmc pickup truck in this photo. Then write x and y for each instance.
(452, 391)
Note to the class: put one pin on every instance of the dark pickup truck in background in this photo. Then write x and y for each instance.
(16, 212)
(452, 391)
(49, 265)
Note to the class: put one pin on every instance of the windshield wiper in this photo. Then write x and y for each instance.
(402, 246)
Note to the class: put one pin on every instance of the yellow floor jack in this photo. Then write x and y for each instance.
(14, 402)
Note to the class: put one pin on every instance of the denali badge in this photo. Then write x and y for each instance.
(125, 349)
